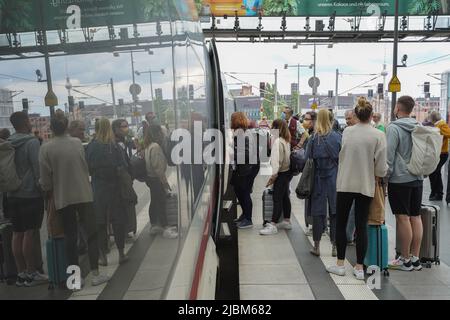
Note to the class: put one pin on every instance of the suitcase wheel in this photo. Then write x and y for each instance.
(428, 265)
(51, 286)
(438, 262)
(386, 273)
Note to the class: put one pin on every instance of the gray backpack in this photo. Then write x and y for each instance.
(9, 180)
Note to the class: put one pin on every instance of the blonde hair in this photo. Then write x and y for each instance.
(105, 134)
(323, 124)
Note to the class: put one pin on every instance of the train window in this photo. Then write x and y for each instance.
(123, 81)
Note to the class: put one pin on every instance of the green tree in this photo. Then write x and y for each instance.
(269, 103)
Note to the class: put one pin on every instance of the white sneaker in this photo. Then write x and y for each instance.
(35, 279)
(285, 224)
(156, 230)
(170, 233)
(337, 270)
(359, 274)
(309, 233)
(401, 264)
(269, 229)
(100, 279)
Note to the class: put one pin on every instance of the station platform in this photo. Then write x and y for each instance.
(277, 267)
(280, 267)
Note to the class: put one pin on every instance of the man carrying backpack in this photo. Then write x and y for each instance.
(298, 133)
(25, 204)
(404, 188)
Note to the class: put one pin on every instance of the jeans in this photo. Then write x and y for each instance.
(437, 188)
(320, 224)
(243, 188)
(344, 204)
(87, 221)
(158, 198)
(281, 200)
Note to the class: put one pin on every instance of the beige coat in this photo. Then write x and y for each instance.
(65, 172)
(362, 158)
(156, 162)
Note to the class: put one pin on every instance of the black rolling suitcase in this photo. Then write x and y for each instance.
(7, 263)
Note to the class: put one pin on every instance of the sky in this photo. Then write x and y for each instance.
(93, 72)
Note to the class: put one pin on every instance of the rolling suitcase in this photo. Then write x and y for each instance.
(172, 209)
(377, 249)
(429, 249)
(8, 265)
(267, 199)
(56, 262)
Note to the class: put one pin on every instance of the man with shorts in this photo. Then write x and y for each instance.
(26, 205)
(404, 189)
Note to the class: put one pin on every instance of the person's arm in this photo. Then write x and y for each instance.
(159, 164)
(275, 161)
(392, 140)
(34, 147)
(46, 173)
(381, 158)
(445, 130)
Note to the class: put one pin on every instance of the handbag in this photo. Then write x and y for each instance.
(376, 209)
(306, 184)
(127, 192)
(54, 220)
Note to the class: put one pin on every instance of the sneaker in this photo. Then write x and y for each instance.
(417, 265)
(337, 270)
(351, 243)
(401, 264)
(309, 233)
(359, 274)
(99, 279)
(245, 224)
(241, 217)
(156, 229)
(269, 229)
(285, 224)
(170, 233)
(21, 279)
(35, 279)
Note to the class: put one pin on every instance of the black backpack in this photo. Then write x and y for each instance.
(138, 168)
(298, 161)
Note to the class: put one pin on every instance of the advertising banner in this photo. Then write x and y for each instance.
(25, 15)
(303, 8)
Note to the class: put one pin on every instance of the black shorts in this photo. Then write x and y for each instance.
(26, 213)
(405, 198)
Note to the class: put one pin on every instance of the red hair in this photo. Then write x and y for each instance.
(239, 121)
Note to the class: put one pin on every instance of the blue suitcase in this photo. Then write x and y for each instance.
(377, 249)
(56, 262)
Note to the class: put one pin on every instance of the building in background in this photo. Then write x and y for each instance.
(251, 105)
(40, 125)
(6, 109)
(445, 96)
(425, 105)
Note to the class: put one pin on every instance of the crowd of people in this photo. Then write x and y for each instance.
(376, 154)
(90, 185)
